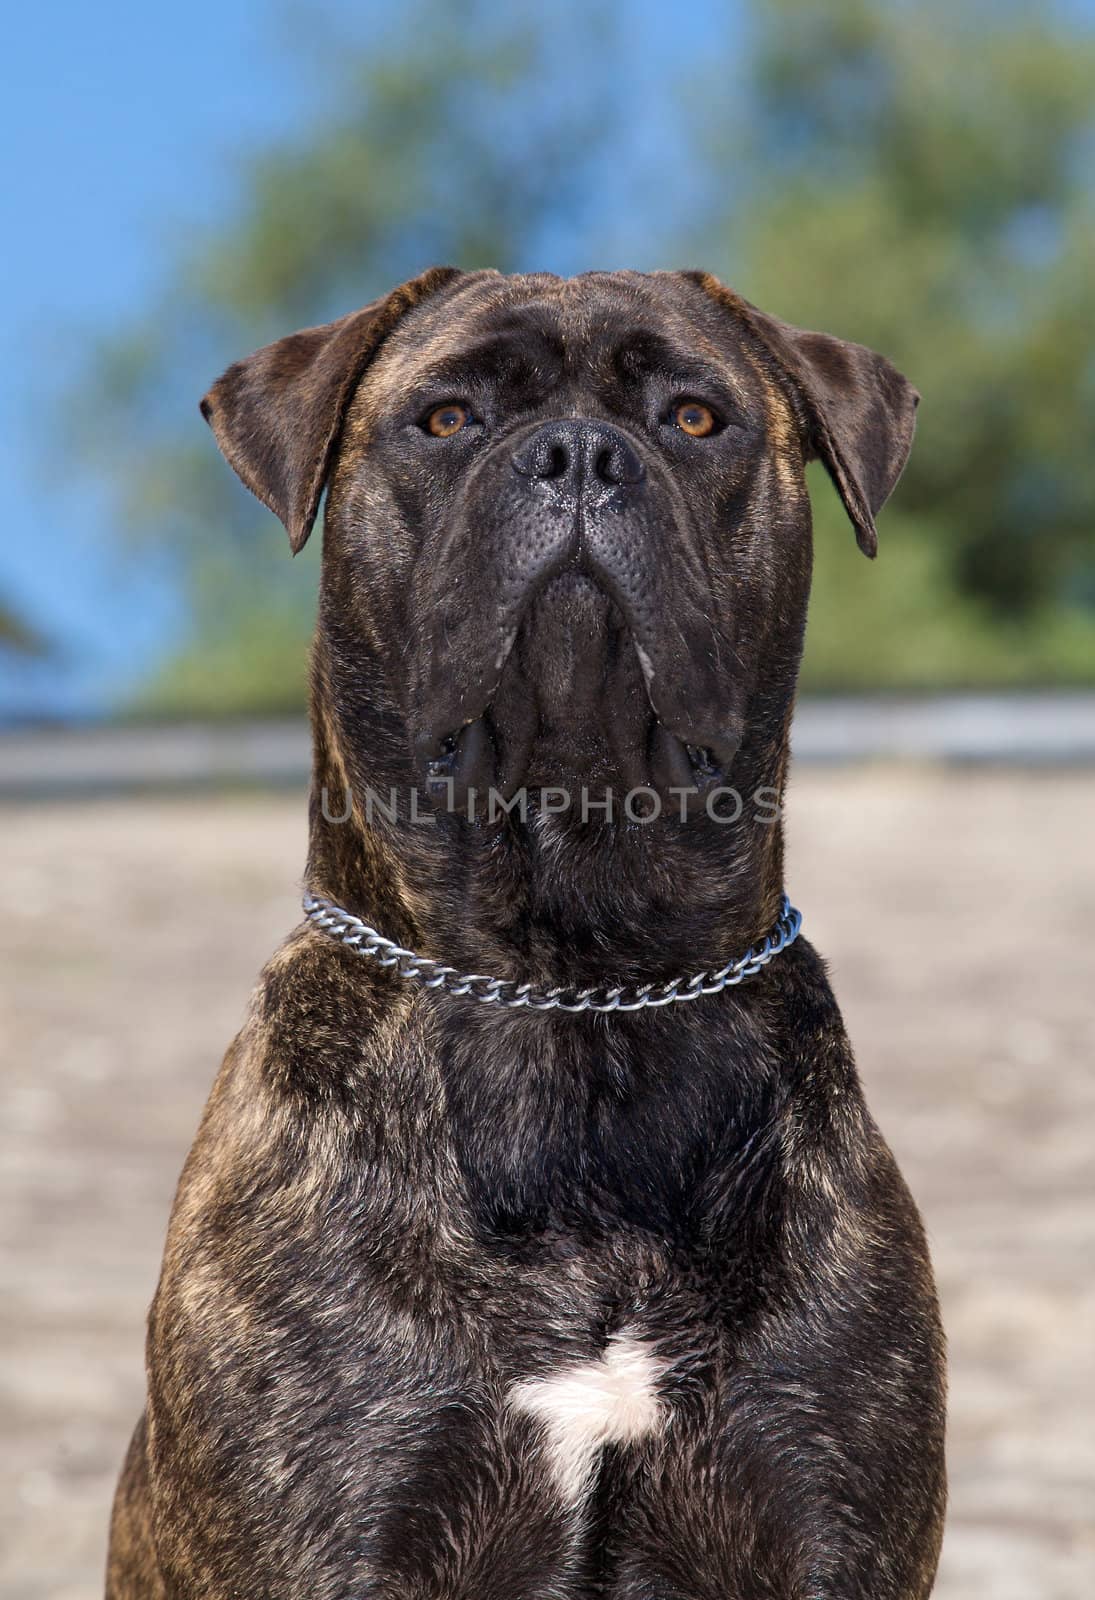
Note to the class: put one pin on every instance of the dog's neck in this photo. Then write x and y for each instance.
(551, 900)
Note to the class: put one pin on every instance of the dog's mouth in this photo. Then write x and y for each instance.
(466, 766)
(578, 700)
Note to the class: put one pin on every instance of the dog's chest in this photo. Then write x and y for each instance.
(566, 1140)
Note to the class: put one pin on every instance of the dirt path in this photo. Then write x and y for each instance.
(957, 912)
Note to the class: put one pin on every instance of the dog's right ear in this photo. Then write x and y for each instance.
(278, 414)
(858, 411)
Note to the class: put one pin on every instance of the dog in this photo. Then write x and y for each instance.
(536, 1242)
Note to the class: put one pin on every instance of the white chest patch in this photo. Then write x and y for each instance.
(593, 1403)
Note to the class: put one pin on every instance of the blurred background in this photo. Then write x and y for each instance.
(184, 186)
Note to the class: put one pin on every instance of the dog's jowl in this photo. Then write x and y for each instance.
(536, 1242)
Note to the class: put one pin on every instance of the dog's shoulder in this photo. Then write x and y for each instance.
(308, 1091)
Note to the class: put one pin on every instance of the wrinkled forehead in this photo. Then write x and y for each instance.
(580, 327)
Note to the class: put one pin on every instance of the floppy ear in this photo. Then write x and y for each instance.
(857, 411)
(277, 415)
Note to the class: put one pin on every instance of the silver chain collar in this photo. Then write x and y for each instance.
(365, 941)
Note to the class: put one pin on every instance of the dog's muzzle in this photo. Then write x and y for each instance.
(568, 605)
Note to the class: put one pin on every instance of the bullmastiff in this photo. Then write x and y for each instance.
(537, 1242)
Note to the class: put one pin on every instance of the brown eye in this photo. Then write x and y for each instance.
(694, 419)
(448, 419)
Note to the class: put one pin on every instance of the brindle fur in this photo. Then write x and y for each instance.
(400, 1203)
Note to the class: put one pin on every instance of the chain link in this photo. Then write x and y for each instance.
(365, 941)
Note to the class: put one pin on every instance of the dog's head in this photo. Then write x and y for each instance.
(567, 530)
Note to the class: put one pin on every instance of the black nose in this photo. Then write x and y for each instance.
(578, 454)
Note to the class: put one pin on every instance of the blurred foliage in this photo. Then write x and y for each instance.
(923, 184)
(914, 177)
(17, 636)
(900, 623)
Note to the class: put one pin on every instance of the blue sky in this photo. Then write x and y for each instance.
(122, 127)
(120, 123)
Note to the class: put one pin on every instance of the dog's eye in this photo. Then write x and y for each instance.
(443, 421)
(694, 418)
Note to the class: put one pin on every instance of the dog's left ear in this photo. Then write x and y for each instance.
(857, 411)
(277, 415)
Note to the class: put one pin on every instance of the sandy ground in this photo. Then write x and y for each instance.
(957, 911)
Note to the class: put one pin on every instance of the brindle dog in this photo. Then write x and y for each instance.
(461, 1301)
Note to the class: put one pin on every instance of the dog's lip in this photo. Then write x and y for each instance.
(682, 752)
(704, 750)
(455, 764)
(463, 763)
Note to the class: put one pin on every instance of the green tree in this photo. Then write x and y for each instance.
(920, 180)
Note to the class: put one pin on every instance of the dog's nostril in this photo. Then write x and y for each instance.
(617, 463)
(544, 458)
(583, 451)
(558, 462)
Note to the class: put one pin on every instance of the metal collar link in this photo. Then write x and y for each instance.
(365, 941)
